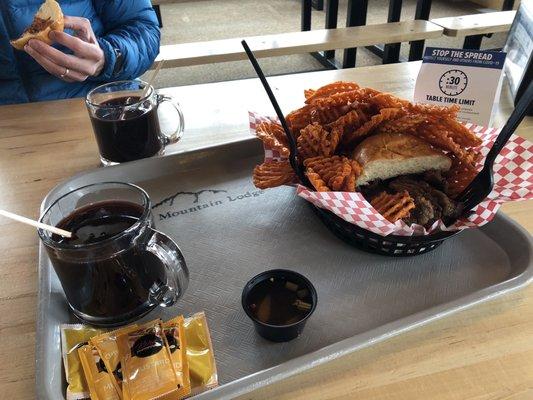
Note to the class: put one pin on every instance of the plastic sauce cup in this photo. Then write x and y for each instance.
(278, 333)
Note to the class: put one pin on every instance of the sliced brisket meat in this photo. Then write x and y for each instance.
(442, 206)
(39, 25)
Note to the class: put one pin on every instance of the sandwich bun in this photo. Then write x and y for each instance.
(49, 18)
(387, 155)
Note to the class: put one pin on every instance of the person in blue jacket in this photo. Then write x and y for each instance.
(103, 41)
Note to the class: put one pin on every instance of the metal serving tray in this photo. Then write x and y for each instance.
(229, 231)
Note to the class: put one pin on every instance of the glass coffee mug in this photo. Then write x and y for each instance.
(127, 126)
(116, 267)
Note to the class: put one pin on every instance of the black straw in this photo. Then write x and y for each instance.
(290, 138)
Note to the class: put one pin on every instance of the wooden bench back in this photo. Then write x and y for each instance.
(198, 53)
(476, 24)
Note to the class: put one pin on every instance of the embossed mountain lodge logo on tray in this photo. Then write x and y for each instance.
(195, 204)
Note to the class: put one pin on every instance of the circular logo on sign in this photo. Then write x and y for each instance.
(453, 82)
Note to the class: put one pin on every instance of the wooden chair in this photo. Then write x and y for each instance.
(475, 26)
(198, 53)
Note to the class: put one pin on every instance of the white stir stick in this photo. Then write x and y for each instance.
(36, 224)
(147, 87)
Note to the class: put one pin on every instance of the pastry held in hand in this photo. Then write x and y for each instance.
(49, 18)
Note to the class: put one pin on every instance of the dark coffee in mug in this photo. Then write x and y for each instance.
(125, 121)
(102, 286)
(127, 134)
(116, 267)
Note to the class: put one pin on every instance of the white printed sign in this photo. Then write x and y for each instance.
(469, 78)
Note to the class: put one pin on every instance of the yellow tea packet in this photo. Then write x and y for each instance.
(100, 382)
(175, 340)
(106, 345)
(73, 336)
(146, 365)
(200, 356)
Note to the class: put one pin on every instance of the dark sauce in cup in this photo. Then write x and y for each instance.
(279, 302)
(276, 301)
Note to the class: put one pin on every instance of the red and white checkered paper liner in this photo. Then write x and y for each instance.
(513, 181)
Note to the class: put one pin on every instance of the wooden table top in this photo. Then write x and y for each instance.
(482, 353)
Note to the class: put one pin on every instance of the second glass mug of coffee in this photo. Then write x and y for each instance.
(119, 267)
(126, 122)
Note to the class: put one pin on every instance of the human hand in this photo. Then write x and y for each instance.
(88, 58)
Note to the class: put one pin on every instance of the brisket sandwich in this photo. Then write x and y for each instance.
(49, 18)
(408, 172)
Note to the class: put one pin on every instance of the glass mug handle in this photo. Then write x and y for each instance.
(176, 135)
(176, 272)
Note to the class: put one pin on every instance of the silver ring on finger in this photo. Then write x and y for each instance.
(63, 76)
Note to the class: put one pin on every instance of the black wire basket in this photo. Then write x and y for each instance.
(391, 245)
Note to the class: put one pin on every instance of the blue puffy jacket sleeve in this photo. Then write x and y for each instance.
(131, 27)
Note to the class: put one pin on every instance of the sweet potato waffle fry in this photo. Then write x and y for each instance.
(328, 109)
(273, 136)
(459, 177)
(309, 141)
(299, 119)
(405, 124)
(393, 206)
(272, 174)
(350, 121)
(314, 141)
(325, 110)
(432, 109)
(336, 173)
(461, 134)
(308, 93)
(316, 181)
(366, 93)
(325, 91)
(351, 180)
(386, 100)
(385, 114)
(439, 136)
